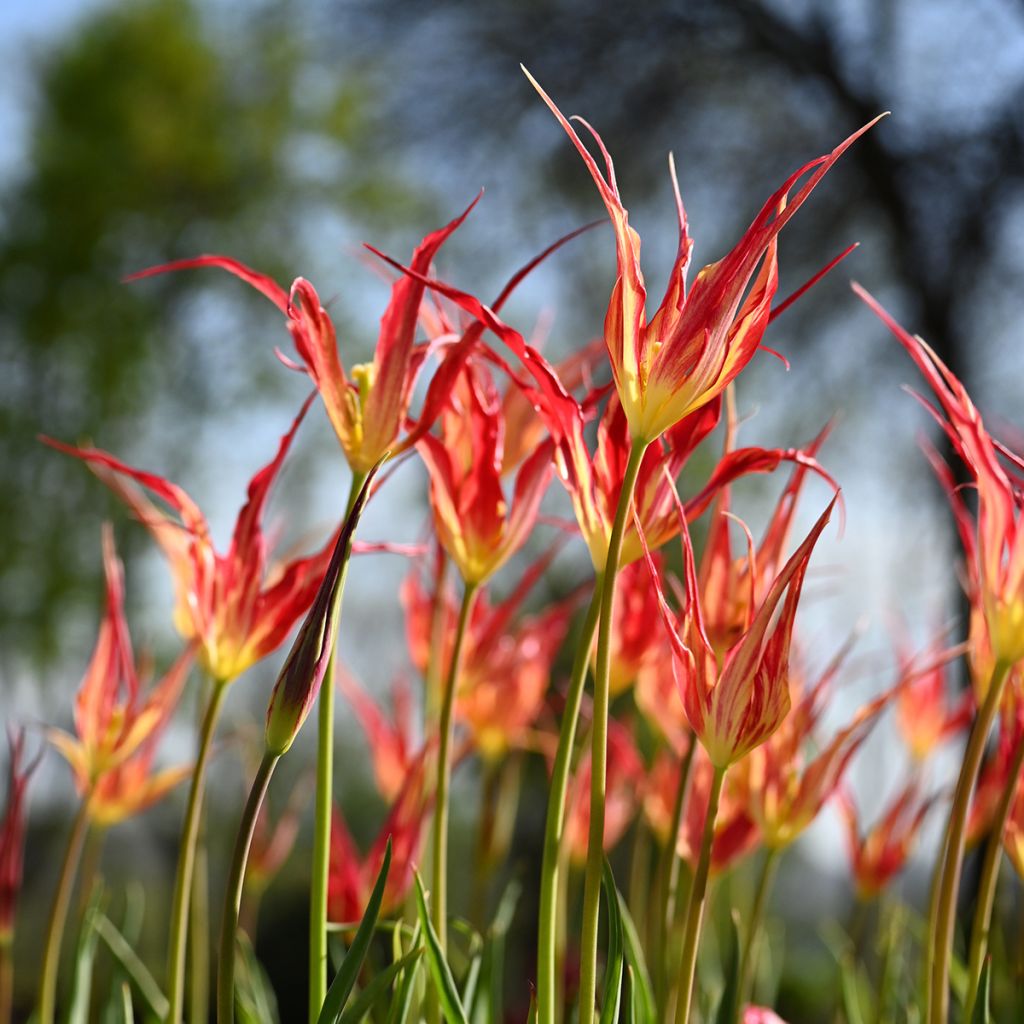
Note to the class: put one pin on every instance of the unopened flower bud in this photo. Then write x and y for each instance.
(298, 684)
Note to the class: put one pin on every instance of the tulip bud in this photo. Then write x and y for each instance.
(298, 685)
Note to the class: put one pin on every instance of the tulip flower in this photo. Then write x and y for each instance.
(785, 789)
(505, 670)
(116, 727)
(594, 482)
(233, 606)
(657, 698)
(996, 588)
(877, 856)
(736, 708)
(731, 587)
(999, 549)
(697, 341)
(352, 875)
(369, 406)
(111, 754)
(477, 525)
(926, 714)
(390, 738)
(634, 645)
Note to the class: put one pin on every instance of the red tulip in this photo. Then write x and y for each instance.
(697, 341)
(997, 557)
(352, 875)
(879, 855)
(369, 406)
(738, 706)
(477, 525)
(505, 669)
(117, 727)
(233, 606)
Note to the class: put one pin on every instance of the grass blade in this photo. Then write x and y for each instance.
(345, 979)
(437, 965)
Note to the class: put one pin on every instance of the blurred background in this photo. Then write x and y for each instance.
(285, 134)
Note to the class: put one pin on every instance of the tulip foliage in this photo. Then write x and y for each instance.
(657, 708)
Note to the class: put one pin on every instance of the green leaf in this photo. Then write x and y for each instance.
(345, 979)
(631, 1001)
(85, 959)
(401, 1005)
(255, 1002)
(613, 971)
(494, 955)
(728, 1007)
(440, 972)
(851, 997)
(380, 983)
(143, 981)
(644, 1008)
(982, 1012)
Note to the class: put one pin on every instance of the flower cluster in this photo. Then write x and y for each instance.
(692, 713)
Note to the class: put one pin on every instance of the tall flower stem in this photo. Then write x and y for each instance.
(949, 867)
(198, 956)
(233, 894)
(439, 843)
(552, 862)
(669, 871)
(439, 849)
(181, 902)
(989, 877)
(695, 910)
(675, 862)
(6, 976)
(599, 742)
(324, 798)
(58, 916)
(749, 952)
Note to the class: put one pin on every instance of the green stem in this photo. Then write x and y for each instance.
(323, 800)
(640, 886)
(6, 976)
(599, 742)
(989, 877)
(435, 654)
(490, 786)
(439, 849)
(199, 936)
(751, 944)
(941, 932)
(670, 871)
(233, 895)
(552, 863)
(198, 955)
(89, 868)
(695, 910)
(675, 861)
(58, 916)
(181, 903)
(439, 838)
